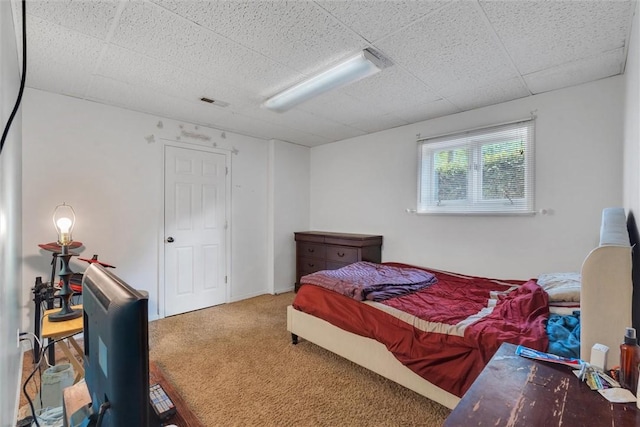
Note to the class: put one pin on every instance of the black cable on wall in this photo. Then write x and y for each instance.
(22, 80)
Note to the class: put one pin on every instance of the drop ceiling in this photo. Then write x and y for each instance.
(162, 56)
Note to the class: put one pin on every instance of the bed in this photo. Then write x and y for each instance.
(605, 282)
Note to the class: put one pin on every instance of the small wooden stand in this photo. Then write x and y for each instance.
(56, 330)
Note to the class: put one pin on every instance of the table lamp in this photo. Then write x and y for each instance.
(64, 219)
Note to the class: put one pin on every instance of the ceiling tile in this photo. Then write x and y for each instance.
(342, 108)
(391, 89)
(363, 16)
(93, 18)
(431, 110)
(60, 60)
(159, 76)
(378, 123)
(489, 95)
(148, 29)
(296, 33)
(543, 34)
(576, 72)
(453, 50)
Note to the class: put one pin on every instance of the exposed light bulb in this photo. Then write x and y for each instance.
(64, 224)
(64, 219)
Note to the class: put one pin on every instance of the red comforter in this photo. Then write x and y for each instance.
(447, 332)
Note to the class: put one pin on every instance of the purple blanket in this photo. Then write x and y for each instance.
(369, 281)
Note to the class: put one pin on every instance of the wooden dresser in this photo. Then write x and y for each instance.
(322, 250)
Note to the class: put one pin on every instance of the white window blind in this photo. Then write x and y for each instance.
(481, 171)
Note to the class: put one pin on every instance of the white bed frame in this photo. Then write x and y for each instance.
(605, 313)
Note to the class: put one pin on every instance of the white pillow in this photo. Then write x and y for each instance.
(561, 286)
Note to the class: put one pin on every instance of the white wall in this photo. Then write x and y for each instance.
(632, 122)
(289, 208)
(364, 185)
(100, 160)
(11, 283)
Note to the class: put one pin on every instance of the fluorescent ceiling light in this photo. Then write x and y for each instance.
(364, 64)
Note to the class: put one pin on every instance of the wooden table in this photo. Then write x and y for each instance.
(77, 396)
(56, 330)
(516, 391)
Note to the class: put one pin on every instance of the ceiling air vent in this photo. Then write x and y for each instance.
(214, 102)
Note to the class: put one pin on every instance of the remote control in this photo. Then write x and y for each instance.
(162, 405)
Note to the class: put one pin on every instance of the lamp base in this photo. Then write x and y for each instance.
(65, 313)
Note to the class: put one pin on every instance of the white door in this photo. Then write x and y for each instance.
(195, 229)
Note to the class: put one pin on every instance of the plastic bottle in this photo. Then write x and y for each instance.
(629, 358)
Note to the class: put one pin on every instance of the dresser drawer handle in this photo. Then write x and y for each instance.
(311, 265)
(340, 254)
(311, 250)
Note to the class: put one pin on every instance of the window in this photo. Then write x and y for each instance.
(482, 171)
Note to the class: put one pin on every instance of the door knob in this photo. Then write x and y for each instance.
(169, 240)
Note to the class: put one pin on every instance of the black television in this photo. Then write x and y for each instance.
(116, 350)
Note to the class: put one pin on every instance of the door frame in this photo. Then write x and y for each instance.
(161, 231)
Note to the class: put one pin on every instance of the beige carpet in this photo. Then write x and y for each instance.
(235, 365)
